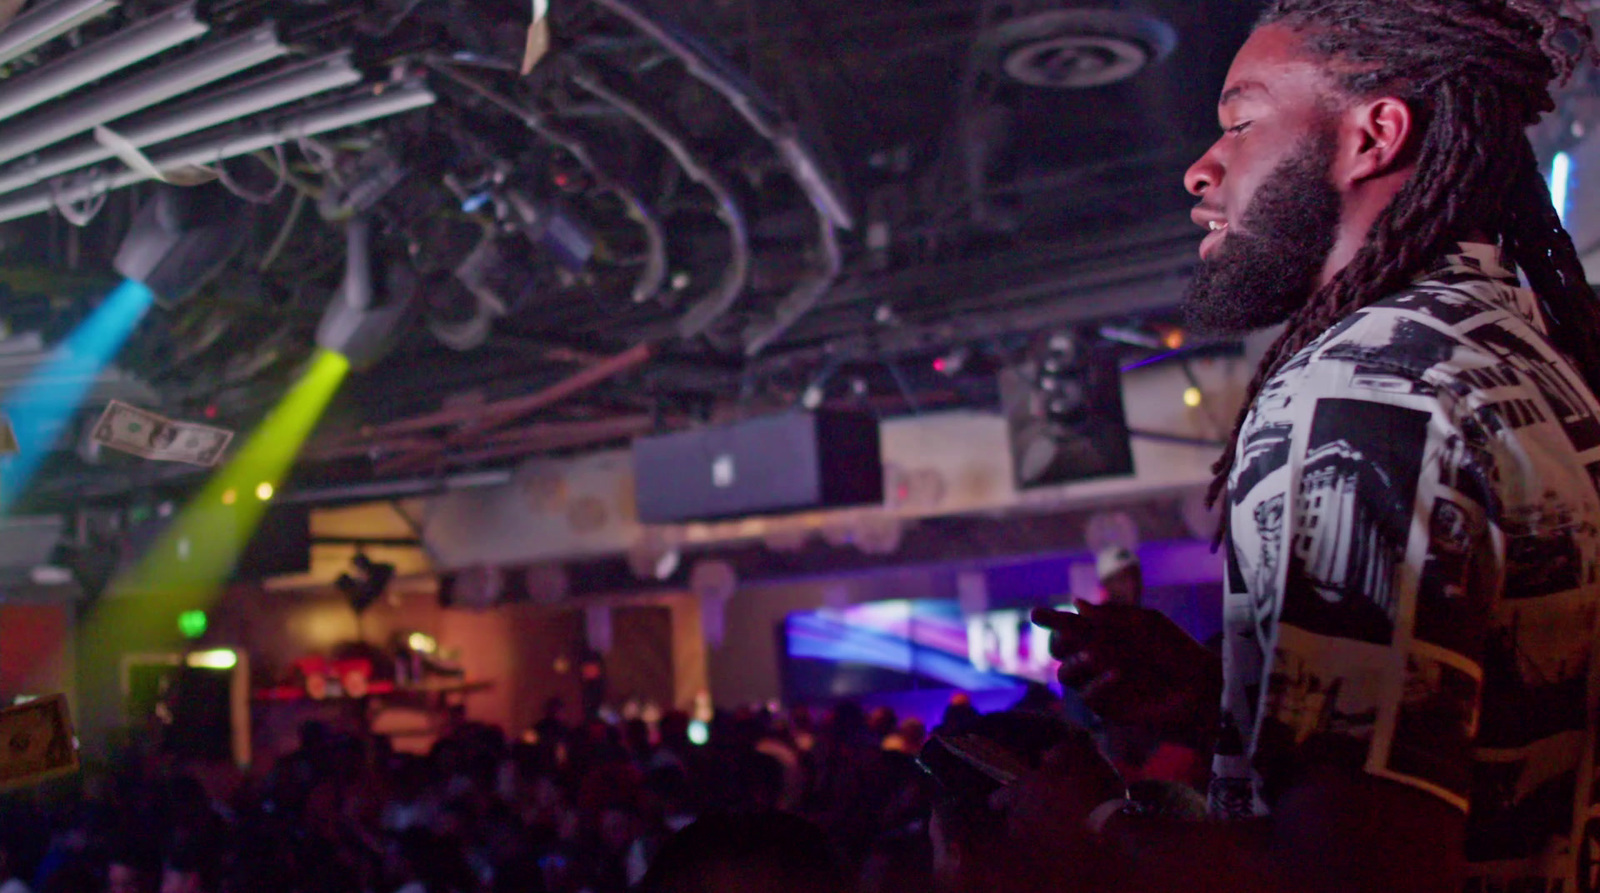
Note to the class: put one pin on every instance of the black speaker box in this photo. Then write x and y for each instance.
(784, 463)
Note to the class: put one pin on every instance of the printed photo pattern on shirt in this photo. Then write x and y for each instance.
(1414, 572)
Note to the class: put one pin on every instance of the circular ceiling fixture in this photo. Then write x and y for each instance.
(1076, 49)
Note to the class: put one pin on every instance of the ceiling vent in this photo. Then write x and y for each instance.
(1076, 49)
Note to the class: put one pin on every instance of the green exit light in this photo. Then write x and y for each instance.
(192, 624)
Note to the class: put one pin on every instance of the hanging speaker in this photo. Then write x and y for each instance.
(784, 463)
(1065, 414)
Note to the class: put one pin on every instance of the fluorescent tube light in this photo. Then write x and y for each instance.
(204, 66)
(381, 102)
(1561, 184)
(44, 23)
(129, 46)
(292, 84)
(220, 659)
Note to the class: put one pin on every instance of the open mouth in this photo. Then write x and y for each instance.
(1208, 246)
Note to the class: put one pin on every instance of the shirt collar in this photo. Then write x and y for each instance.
(1486, 261)
(1480, 258)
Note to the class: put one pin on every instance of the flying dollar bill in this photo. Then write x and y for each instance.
(8, 437)
(36, 742)
(151, 436)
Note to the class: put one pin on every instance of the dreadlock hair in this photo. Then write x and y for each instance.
(1476, 74)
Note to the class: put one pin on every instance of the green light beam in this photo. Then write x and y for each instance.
(197, 553)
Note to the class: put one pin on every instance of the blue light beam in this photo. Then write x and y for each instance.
(40, 407)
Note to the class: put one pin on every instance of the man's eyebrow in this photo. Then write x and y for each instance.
(1240, 89)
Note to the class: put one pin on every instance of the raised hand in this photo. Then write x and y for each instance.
(1135, 667)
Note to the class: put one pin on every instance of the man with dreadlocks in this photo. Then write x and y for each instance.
(1409, 685)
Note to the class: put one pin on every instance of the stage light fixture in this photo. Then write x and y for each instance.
(366, 582)
(1192, 398)
(179, 239)
(47, 21)
(457, 317)
(291, 84)
(204, 66)
(264, 491)
(127, 47)
(377, 102)
(368, 313)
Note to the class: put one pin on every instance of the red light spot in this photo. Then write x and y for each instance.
(563, 180)
(211, 412)
(940, 365)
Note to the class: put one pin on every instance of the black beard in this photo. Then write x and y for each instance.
(1267, 268)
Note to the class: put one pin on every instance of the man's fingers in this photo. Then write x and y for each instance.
(1077, 669)
(1050, 618)
(1093, 691)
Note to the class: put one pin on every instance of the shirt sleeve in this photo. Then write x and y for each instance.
(1372, 585)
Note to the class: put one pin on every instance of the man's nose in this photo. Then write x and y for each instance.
(1204, 175)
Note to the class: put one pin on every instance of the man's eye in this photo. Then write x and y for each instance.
(1239, 128)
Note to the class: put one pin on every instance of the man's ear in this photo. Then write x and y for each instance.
(1375, 139)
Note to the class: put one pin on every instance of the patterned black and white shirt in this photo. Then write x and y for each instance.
(1414, 573)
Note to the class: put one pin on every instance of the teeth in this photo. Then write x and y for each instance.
(1215, 225)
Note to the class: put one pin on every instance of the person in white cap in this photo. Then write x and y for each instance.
(1121, 577)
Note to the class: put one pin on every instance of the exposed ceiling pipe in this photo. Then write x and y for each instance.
(497, 415)
(479, 421)
(379, 101)
(557, 436)
(719, 300)
(748, 103)
(109, 55)
(204, 66)
(654, 276)
(393, 489)
(47, 21)
(505, 411)
(291, 84)
(825, 196)
(805, 296)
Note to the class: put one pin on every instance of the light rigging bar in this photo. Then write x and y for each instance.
(292, 84)
(108, 55)
(383, 101)
(44, 23)
(204, 66)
